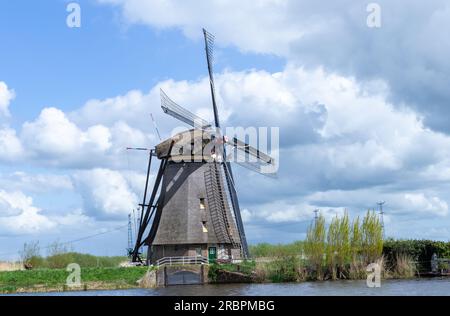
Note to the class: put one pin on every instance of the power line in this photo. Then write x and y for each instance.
(76, 240)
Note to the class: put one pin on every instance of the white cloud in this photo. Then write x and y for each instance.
(75, 219)
(11, 148)
(409, 51)
(336, 134)
(263, 26)
(55, 140)
(415, 204)
(6, 95)
(291, 210)
(106, 193)
(426, 204)
(54, 135)
(19, 216)
(35, 183)
(131, 107)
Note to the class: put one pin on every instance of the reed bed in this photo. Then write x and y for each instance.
(342, 250)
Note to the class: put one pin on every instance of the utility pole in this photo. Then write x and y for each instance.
(135, 223)
(130, 235)
(141, 250)
(380, 205)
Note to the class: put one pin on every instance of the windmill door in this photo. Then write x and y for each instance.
(212, 254)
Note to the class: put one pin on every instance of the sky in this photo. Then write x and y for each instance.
(362, 110)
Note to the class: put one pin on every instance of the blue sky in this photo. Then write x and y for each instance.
(101, 59)
(362, 112)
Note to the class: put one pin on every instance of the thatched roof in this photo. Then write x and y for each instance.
(186, 145)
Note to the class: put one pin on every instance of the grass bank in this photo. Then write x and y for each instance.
(49, 280)
(62, 260)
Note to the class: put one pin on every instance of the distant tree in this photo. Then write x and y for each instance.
(57, 248)
(30, 255)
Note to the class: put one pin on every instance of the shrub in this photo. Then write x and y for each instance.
(285, 269)
(404, 266)
(30, 254)
(420, 251)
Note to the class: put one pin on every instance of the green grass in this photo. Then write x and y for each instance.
(12, 280)
(268, 250)
(246, 267)
(286, 269)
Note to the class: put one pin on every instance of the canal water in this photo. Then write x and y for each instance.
(433, 287)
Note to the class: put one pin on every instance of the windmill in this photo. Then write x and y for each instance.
(193, 209)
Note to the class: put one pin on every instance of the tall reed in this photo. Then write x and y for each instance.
(357, 266)
(405, 266)
(315, 246)
(372, 237)
(339, 246)
(344, 249)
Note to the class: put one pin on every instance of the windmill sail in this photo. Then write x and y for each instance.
(180, 113)
(252, 151)
(239, 158)
(209, 46)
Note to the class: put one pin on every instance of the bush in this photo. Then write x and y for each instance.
(286, 269)
(404, 267)
(420, 251)
(30, 254)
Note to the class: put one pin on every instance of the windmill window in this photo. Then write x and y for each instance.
(202, 204)
(205, 230)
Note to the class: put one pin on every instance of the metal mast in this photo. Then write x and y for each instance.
(380, 205)
(130, 235)
(316, 215)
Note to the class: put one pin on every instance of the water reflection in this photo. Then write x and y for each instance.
(353, 288)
